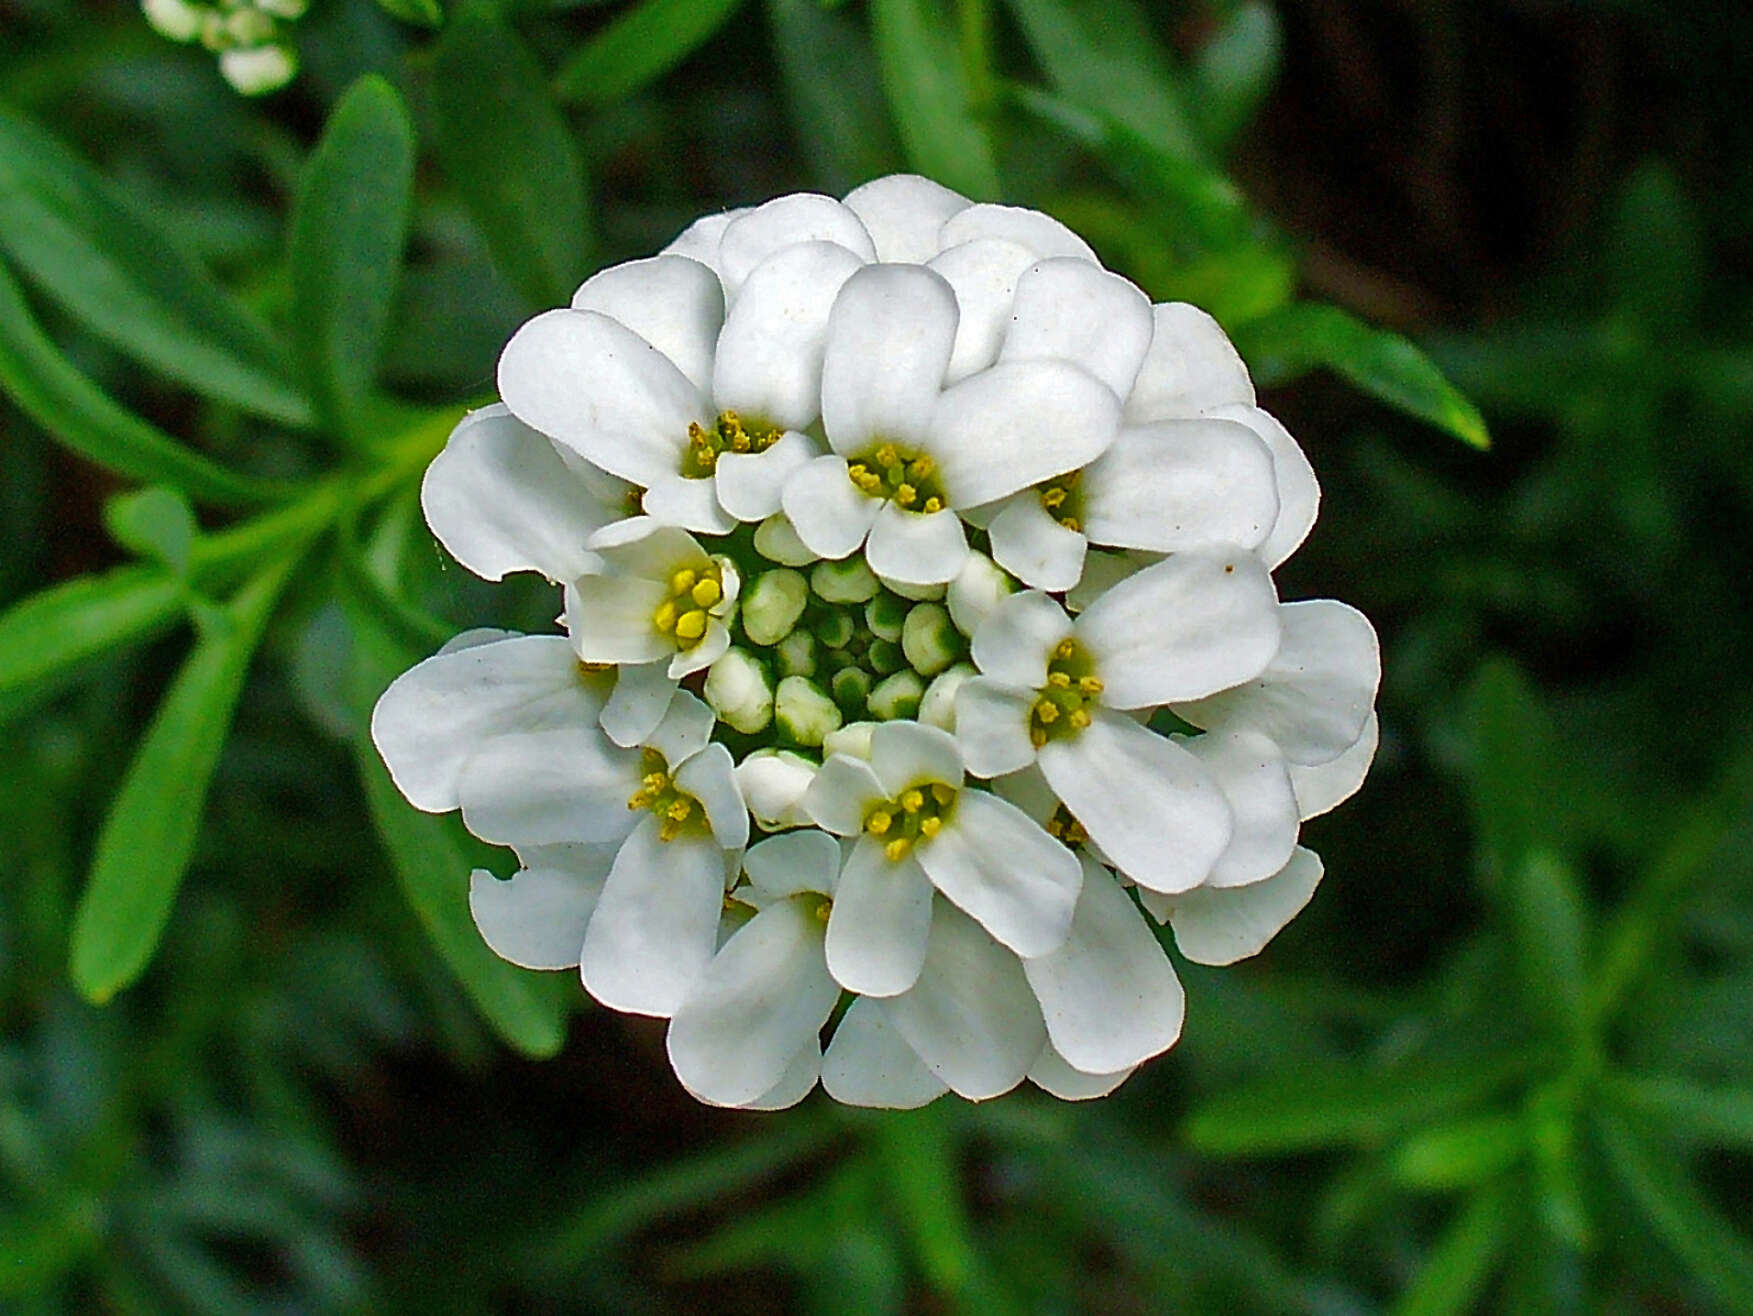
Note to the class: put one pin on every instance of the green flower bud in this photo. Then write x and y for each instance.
(930, 640)
(938, 706)
(796, 654)
(885, 615)
(896, 696)
(777, 541)
(834, 630)
(851, 687)
(772, 605)
(885, 656)
(259, 70)
(976, 592)
(804, 712)
(846, 581)
(737, 689)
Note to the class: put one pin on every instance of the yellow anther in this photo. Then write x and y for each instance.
(696, 435)
(690, 626)
(680, 809)
(655, 781)
(906, 495)
(1037, 736)
(920, 467)
(1089, 685)
(887, 456)
(930, 826)
(668, 829)
(913, 800)
(878, 822)
(857, 471)
(1080, 718)
(683, 581)
(823, 910)
(944, 795)
(1046, 710)
(897, 849)
(1065, 648)
(1052, 497)
(706, 592)
(1060, 680)
(1072, 524)
(932, 504)
(665, 616)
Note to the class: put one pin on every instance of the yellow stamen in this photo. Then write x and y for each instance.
(1051, 498)
(887, 456)
(1037, 736)
(665, 616)
(913, 800)
(823, 910)
(681, 809)
(1065, 648)
(683, 581)
(944, 794)
(932, 504)
(1080, 718)
(668, 829)
(1046, 711)
(878, 823)
(896, 849)
(1071, 523)
(1090, 685)
(906, 495)
(706, 592)
(929, 827)
(920, 467)
(1059, 679)
(691, 625)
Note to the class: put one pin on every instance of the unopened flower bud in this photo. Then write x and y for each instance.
(897, 696)
(846, 581)
(777, 541)
(773, 782)
(938, 705)
(737, 689)
(796, 654)
(805, 713)
(259, 71)
(853, 740)
(176, 19)
(772, 605)
(930, 640)
(885, 615)
(974, 593)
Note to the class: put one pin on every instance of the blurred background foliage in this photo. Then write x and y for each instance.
(252, 1056)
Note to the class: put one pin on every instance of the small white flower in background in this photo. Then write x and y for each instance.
(248, 36)
(889, 530)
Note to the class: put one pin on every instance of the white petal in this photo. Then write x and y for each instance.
(500, 498)
(537, 919)
(763, 997)
(796, 862)
(610, 619)
(1033, 547)
(831, 516)
(841, 794)
(685, 729)
(992, 726)
(869, 1064)
(545, 787)
(645, 546)
(889, 340)
(1328, 785)
(879, 923)
(688, 503)
(1029, 791)
(1069, 309)
(656, 925)
(600, 389)
(1109, 996)
(1041, 234)
(699, 241)
(799, 217)
(1299, 493)
(769, 364)
(984, 274)
(1102, 570)
(641, 697)
(796, 1083)
(1256, 782)
(903, 213)
(1017, 638)
(975, 591)
(673, 303)
(1315, 696)
(904, 754)
(971, 1016)
(438, 713)
(750, 483)
(916, 548)
(998, 866)
(1052, 1075)
(710, 777)
(1193, 624)
(710, 649)
(1190, 368)
(1154, 809)
(1017, 424)
(1181, 484)
(1220, 926)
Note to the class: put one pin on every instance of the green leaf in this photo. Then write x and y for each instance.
(510, 156)
(1341, 1105)
(1298, 338)
(421, 13)
(837, 106)
(1454, 1276)
(1548, 918)
(157, 523)
(1234, 72)
(1657, 260)
(927, 87)
(918, 1155)
(123, 273)
(149, 835)
(1513, 768)
(639, 47)
(1718, 1116)
(348, 227)
(84, 418)
(1718, 1255)
(1460, 1155)
(49, 632)
(1102, 54)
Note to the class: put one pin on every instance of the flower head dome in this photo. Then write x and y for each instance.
(886, 528)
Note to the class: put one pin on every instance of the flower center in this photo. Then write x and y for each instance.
(1059, 710)
(1065, 829)
(730, 433)
(683, 615)
(658, 792)
(908, 479)
(916, 815)
(1063, 499)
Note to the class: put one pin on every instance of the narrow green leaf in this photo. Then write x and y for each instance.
(1234, 72)
(1103, 54)
(1552, 1113)
(84, 418)
(157, 523)
(918, 1155)
(421, 13)
(1512, 770)
(1454, 1276)
(1718, 1255)
(125, 275)
(149, 835)
(927, 87)
(1344, 1106)
(639, 47)
(510, 156)
(348, 227)
(51, 631)
(1548, 918)
(1460, 1155)
(838, 111)
(1298, 338)
(1718, 1116)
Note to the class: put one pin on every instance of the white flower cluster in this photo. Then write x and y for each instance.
(248, 36)
(921, 646)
